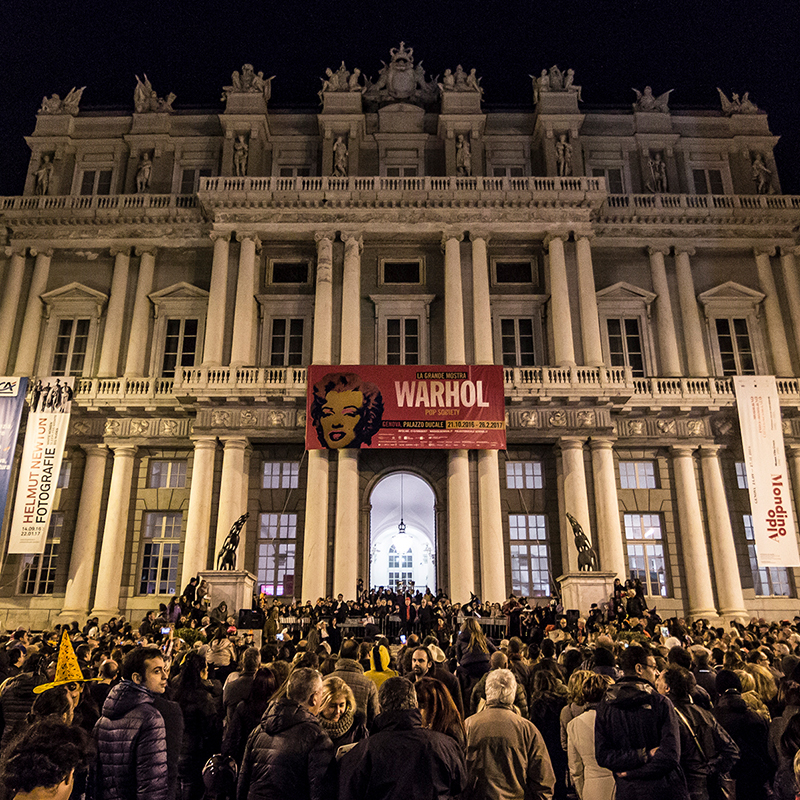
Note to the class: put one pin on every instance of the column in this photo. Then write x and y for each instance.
(576, 501)
(315, 537)
(115, 314)
(696, 361)
(611, 552)
(87, 527)
(669, 359)
(115, 531)
(231, 492)
(723, 551)
(245, 315)
(490, 519)
(792, 287)
(587, 298)
(9, 304)
(217, 301)
(140, 323)
(696, 571)
(560, 313)
(198, 521)
(779, 347)
(459, 503)
(31, 325)
(793, 459)
(345, 553)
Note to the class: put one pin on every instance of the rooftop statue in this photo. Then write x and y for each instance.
(248, 82)
(145, 99)
(341, 80)
(400, 80)
(646, 101)
(737, 106)
(554, 80)
(69, 105)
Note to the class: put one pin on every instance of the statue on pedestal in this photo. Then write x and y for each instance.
(564, 156)
(69, 105)
(737, 106)
(43, 175)
(240, 152)
(761, 174)
(143, 172)
(460, 81)
(463, 157)
(145, 99)
(658, 174)
(226, 558)
(401, 81)
(646, 101)
(554, 80)
(339, 158)
(248, 82)
(587, 558)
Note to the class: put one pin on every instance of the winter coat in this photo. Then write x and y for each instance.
(287, 756)
(202, 731)
(465, 655)
(16, 699)
(506, 757)
(131, 747)
(364, 690)
(245, 718)
(221, 653)
(234, 692)
(545, 714)
(379, 676)
(479, 693)
(441, 673)
(750, 732)
(402, 760)
(632, 719)
(568, 713)
(173, 724)
(591, 781)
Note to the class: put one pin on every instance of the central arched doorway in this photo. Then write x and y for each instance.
(402, 542)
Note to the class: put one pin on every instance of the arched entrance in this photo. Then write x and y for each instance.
(402, 541)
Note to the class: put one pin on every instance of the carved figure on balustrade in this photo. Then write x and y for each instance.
(340, 158)
(448, 83)
(564, 156)
(735, 105)
(761, 175)
(657, 182)
(587, 558)
(44, 175)
(241, 151)
(143, 173)
(226, 558)
(556, 79)
(646, 101)
(463, 156)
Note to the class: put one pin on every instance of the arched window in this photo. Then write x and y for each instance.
(401, 567)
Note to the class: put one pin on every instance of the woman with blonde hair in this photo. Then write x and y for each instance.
(750, 695)
(472, 654)
(338, 715)
(575, 705)
(766, 687)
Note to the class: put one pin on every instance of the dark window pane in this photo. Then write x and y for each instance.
(104, 182)
(614, 178)
(700, 185)
(715, 181)
(289, 272)
(401, 272)
(513, 272)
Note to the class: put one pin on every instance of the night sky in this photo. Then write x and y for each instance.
(191, 48)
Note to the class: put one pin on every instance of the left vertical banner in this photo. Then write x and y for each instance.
(12, 398)
(45, 437)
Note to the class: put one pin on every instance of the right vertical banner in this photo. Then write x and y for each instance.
(768, 479)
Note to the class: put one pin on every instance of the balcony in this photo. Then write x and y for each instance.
(596, 385)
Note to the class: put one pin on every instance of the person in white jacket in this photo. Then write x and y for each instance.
(591, 781)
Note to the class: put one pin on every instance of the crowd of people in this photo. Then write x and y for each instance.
(321, 703)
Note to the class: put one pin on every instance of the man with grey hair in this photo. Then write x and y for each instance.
(506, 754)
(289, 754)
(401, 759)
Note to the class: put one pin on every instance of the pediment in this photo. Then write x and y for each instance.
(623, 292)
(179, 291)
(75, 298)
(731, 292)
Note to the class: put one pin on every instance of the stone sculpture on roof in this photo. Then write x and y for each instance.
(69, 105)
(145, 99)
(401, 81)
(248, 81)
(646, 101)
(736, 105)
(460, 81)
(554, 80)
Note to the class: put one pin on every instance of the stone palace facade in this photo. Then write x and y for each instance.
(187, 266)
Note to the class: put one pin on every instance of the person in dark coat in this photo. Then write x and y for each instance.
(248, 714)
(130, 735)
(424, 665)
(339, 717)
(637, 735)
(289, 755)
(750, 732)
(16, 696)
(401, 759)
(548, 698)
(238, 689)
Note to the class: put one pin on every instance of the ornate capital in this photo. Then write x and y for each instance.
(683, 449)
(447, 235)
(242, 237)
(215, 236)
(551, 236)
(686, 251)
(571, 442)
(14, 250)
(123, 450)
(120, 250)
(353, 238)
(235, 443)
(146, 251)
(204, 442)
(653, 249)
(583, 236)
(320, 236)
(46, 253)
(95, 450)
(601, 443)
(710, 450)
(479, 233)
(765, 250)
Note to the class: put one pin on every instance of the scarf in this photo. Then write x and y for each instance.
(339, 728)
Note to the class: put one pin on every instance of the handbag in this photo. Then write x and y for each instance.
(720, 786)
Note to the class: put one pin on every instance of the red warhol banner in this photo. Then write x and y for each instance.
(370, 406)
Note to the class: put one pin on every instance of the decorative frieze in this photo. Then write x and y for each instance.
(138, 427)
(250, 419)
(559, 419)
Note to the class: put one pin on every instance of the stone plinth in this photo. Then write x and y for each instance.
(557, 103)
(55, 124)
(245, 103)
(401, 118)
(235, 587)
(150, 122)
(580, 589)
(341, 103)
(461, 103)
(652, 122)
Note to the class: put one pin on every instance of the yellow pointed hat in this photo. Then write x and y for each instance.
(67, 669)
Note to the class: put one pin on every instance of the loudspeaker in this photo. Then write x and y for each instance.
(572, 617)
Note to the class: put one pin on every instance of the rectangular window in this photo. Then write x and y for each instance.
(646, 552)
(402, 271)
(625, 344)
(96, 181)
(161, 534)
(708, 181)
(401, 172)
(180, 345)
(637, 475)
(530, 560)
(741, 475)
(735, 349)
(190, 179)
(286, 342)
(64, 475)
(613, 176)
(513, 271)
(524, 475)
(401, 568)
(39, 570)
(276, 554)
(167, 474)
(767, 581)
(516, 337)
(294, 172)
(402, 340)
(508, 172)
(71, 343)
(280, 475)
(289, 272)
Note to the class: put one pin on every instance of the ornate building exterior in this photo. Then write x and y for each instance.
(186, 267)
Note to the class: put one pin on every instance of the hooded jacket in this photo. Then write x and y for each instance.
(287, 756)
(131, 746)
(379, 676)
(632, 720)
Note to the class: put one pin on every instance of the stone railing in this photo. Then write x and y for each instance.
(636, 204)
(99, 202)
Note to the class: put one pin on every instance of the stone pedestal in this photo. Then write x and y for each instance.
(580, 589)
(341, 103)
(235, 587)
